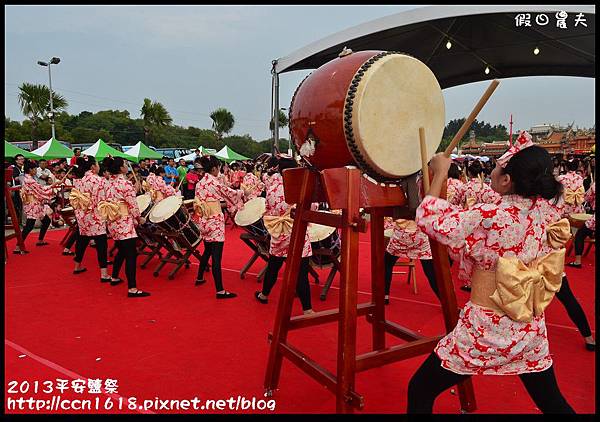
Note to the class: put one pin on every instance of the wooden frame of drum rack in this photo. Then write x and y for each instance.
(345, 189)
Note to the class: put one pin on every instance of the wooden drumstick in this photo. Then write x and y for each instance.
(65, 176)
(467, 124)
(424, 159)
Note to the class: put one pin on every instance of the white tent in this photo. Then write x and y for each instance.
(193, 155)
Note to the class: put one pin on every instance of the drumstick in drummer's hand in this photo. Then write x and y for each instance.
(467, 124)
(424, 159)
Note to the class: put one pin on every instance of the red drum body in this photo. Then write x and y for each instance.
(364, 109)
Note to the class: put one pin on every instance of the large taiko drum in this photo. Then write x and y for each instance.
(364, 109)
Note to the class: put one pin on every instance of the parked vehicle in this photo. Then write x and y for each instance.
(174, 152)
(27, 145)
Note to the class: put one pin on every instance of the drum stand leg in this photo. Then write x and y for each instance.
(329, 281)
(315, 274)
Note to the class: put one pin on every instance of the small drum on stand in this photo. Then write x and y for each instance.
(68, 215)
(578, 220)
(250, 217)
(144, 230)
(171, 216)
(189, 205)
(145, 204)
(324, 238)
(388, 233)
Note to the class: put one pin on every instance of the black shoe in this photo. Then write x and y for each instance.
(109, 262)
(574, 265)
(590, 346)
(21, 252)
(261, 300)
(106, 280)
(68, 253)
(226, 295)
(386, 301)
(199, 282)
(139, 293)
(465, 288)
(115, 281)
(41, 243)
(82, 270)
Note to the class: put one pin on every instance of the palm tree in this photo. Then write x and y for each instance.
(283, 122)
(154, 114)
(223, 122)
(34, 101)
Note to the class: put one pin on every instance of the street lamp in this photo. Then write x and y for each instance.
(54, 60)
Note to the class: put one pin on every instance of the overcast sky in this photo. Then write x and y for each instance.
(194, 59)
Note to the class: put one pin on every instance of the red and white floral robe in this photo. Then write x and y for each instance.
(454, 189)
(120, 189)
(474, 192)
(484, 342)
(40, 198)
(158, 184)
(276, 206)
(409, 242)
(254, 186)
(210, 188)
(90, 222)
(573, 181)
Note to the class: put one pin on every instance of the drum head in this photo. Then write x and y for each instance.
(395, 96)
(253, 210)
(143, 202)
(68, 209)
(318, 232)
(165, 209)
(580, 216)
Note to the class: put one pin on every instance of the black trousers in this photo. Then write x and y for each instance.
(427, 265)
(431, 380)
(214, 250)
(126, 251)
(302, 286)
(18, 202)
(31, 223)
(569, 301)
(101, 249)
(72, 239)
(580, 236)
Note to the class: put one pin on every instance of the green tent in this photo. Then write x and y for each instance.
(100, 150)
(53, 149)
(10, 151)
(228, 155)
(140, 151)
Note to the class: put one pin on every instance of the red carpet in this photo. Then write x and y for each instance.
(182, 343)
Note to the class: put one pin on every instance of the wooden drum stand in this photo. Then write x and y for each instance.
(345, 189)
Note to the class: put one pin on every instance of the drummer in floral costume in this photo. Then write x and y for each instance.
(475, 191)
(88, 191)
(157, 188)
(574, 193)
(210, 191)
(588, 229)
(35, 199)
(251, 185)
(279, 224)
(455, 185)
(502, 248)
(120, 211)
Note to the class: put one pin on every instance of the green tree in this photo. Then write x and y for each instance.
(34, 101)
(283, 120)
(154, 114)
(223, 121)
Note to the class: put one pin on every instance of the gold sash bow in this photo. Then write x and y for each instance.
(558, 233)
(79, 200)
(27, 198)
(207, 209)
(247, 189)
(156, 195)
(406, 225)
(574, 197)
(470, 202)
(112, 211)
(278, 225)
(523, 292)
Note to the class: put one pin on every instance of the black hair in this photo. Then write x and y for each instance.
(158, 170)
(83, 165)
(77, 149)
(42, 159)
(572, 165)
(18, 156)
(287, 163)
(209, 162)
(531, 173)
(113, 164)
(454, 171)
(29, 164)
(474, 168)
